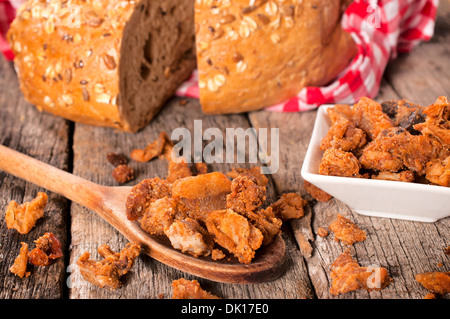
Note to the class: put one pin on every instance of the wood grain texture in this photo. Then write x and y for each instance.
(46, 138)
(91, 145)
(109, 204)
(404, 248)
(422, 75)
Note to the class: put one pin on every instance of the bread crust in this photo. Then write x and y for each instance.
(69, 58)
(256, 55)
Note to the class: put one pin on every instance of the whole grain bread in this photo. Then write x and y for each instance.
(103, 62)
(256, 53)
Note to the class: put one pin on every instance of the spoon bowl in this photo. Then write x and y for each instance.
(109, 204)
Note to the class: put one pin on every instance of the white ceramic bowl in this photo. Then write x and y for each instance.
(378, 198)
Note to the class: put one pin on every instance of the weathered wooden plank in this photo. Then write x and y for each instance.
(150, 278)
(422, 75)
(294, 130)
(46, 138)
(324, 213)
(404, 248)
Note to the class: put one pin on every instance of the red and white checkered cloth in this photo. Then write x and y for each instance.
(7, 14)
(381, 30)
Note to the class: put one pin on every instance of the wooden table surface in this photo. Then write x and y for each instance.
(405, 248)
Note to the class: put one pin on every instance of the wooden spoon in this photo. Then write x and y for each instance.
(109, 203)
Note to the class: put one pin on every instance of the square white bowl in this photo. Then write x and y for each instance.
(371, 197)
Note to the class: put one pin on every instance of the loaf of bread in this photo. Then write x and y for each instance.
(253, 54)
(103, 62)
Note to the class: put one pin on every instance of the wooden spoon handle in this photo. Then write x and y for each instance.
(70, 186)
